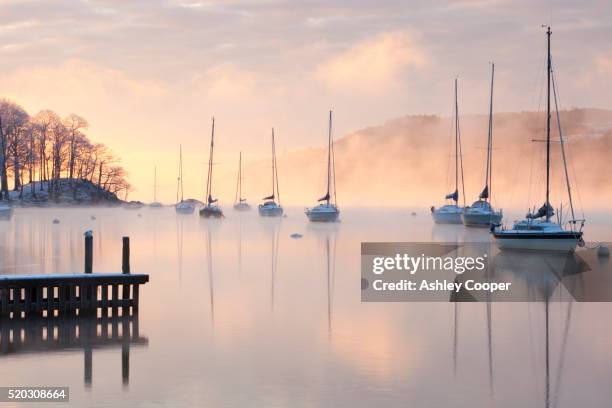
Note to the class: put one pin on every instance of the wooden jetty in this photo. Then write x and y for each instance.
(84, 294)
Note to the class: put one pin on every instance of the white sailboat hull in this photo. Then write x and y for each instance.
(449, 214)
(184, 208)
(270, 210)
(536, 235)
(323, 213)
(481, 219)
(242, 206)
(211, 211)
(537, 244)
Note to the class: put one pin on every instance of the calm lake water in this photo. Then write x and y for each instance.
(237, 313)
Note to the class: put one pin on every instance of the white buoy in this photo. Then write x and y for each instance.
(603, 251)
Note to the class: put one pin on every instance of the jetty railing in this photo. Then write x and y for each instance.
(113, 294)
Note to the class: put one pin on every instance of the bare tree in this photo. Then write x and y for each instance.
(55, 151)
(13, 122)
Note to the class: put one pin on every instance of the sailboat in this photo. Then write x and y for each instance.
(481, 213)
(240, 203)
(211, 209)
(270, 208)
(538, 231)
(155, 203)
(327, 211)
(182, 206)
(451, 213)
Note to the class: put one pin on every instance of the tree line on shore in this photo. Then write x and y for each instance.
(43, 150)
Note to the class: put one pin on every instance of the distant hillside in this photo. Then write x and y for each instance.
(66, 192)
(408, 161)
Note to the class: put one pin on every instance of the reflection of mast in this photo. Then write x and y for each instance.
(547, 359)
(455, 337)
(275, 239)
(490, 344)
(240, 245)
(568, 318)
(179, 244)
(489, 324)
(210, 276)
(331, 274)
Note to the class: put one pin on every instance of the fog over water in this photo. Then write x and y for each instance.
(409, 161)
(237, 313)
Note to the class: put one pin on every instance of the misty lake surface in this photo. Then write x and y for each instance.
(237, 313)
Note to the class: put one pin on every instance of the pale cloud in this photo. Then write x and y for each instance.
(227, 82)
(76, 84)
(373, 64)
(603, 63)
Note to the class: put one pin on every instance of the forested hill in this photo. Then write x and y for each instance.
(44, 157)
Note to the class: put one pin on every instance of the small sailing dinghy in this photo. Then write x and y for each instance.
(182, 206)
(451, 213)
(538, 232)
(6, 211)
(211, 208)
(328, 210)
(481, 213)
(240, 203)
(270, 208)
(155, 203)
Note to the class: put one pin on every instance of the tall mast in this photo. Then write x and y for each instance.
(210, 159)
(329, 157)
(238, 197)
(547, 205)
(456, 144)
(275, 189)
(273, 168)
(489, 177)
(181, 170)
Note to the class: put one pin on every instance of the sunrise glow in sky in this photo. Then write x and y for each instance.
(149, 74)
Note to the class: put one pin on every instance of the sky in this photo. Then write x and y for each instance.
(149, 75)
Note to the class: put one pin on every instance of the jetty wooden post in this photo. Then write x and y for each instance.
(125, 260)
(88, 251)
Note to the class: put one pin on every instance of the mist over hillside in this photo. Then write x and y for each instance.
(409, 161)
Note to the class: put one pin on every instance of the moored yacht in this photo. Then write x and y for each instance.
(182, 206)
(240, 204)
(155, 203)
(538, 235)
(211, 207)
(451, 213)
(328, 210)
(481, 213)
(537, 231)
(270, 208)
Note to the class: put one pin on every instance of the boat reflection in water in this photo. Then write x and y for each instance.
(327, 237)
(543, 278)
(71, 334)
(537, 277)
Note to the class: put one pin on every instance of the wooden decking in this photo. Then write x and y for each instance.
(113, 294)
